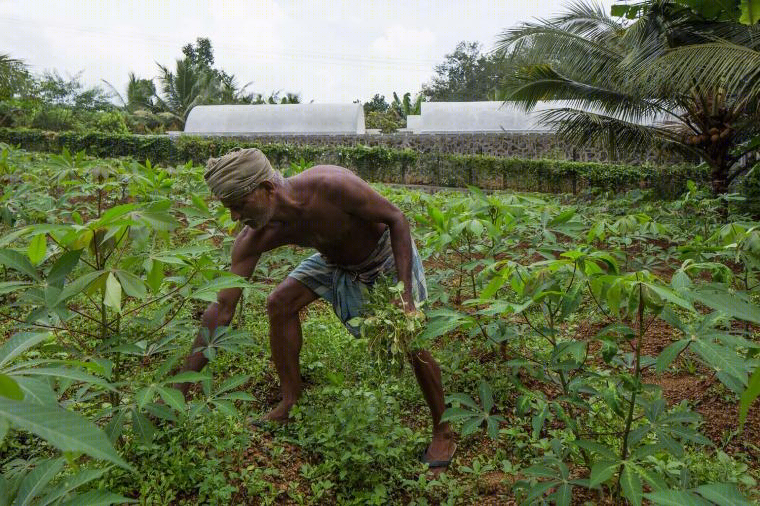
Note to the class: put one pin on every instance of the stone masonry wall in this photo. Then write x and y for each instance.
(530, 145)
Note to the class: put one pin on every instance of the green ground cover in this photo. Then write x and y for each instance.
(595, 349)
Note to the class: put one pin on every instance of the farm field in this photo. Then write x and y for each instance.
(595, 349)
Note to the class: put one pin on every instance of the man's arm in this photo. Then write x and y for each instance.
(245, 255)
(358, 198)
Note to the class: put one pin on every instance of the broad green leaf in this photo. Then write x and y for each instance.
(750, 12)
(36, 481)
(19, 343)
(563, 495)
(457, 414)
(232, 382)
(18, 262)
(727, 302)
(443, 321)
(172, 397)
(670, 296)
(723, 494)
(680, 280)
(13, 286)
(486, 396)
(10, 389)
(471, 425)
(64, 429)
(112, 296)
(670, 353)
(142, 427)
(538, 490)
(37, 249)
(52, 294)
(226, 407)
(97, 498)
(749, 396)
(70, 484)
(115, 213)
(209, 291)
(144, 396)
(723, 359)
(36, 391)
(561, 218)
(65, 372)
(542, 472)
(78, 286)
(598, 448)
(189, 377)
(676, 498)
(155, 275)
(602, 471)
(631, 485)
(132, 285)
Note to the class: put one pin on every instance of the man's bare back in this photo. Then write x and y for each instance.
(324, 197)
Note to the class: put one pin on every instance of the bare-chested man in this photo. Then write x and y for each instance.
(359, 235)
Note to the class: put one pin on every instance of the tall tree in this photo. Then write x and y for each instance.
(377, 104)
(668, 77)
(184, 88)
(201, 54)
(54, 89)
(140, 95)
(14, 77)
(465, 75)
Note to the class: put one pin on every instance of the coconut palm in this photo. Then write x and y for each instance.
(669, 77)
(13, 76)
(141, 94)
(185, 88)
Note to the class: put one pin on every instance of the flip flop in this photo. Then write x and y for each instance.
(436, 463)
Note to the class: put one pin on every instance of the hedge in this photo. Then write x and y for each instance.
(379, 164)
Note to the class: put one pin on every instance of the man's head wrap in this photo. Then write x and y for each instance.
(237, 173)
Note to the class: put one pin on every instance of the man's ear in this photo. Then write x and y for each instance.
(267, 185)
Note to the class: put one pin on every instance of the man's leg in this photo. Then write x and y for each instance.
(283, 305)
(428, 375)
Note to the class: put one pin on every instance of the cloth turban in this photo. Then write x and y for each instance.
(237, 173)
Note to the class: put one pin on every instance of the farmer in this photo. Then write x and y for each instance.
(358, 234)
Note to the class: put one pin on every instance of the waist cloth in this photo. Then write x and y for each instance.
(346, 286)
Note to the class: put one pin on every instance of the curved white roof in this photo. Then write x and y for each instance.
(439, 117)
(276, 119)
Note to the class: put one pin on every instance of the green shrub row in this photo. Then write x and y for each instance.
(379, 164)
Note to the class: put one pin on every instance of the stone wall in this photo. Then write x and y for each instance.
(530, 145)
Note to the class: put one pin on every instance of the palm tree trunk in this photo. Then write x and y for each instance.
(719, 181)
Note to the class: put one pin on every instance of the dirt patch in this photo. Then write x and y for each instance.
(719, 409)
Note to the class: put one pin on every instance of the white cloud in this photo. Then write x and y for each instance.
(328, 50)
(399, 41)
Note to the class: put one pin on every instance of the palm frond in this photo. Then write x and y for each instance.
(584, 128)
(734, 68)
(547, 44)
(587, 19)
(115, 93)
(542, 83)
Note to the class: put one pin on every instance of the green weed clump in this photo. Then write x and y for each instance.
(357, 440)
(392, 333)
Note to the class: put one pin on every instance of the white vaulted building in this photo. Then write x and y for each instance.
(281, 119)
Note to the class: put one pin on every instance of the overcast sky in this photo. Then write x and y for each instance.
(327, 51)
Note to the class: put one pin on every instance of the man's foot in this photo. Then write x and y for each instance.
(439, 453)
(281, 413)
